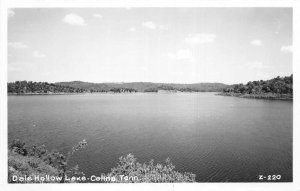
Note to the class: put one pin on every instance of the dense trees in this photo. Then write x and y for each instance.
(276, 88)
(278, 85)
(123, 90)
(21, 87)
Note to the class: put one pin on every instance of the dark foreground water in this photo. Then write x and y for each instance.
(217, 138)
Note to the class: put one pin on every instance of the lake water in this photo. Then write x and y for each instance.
(217, 138)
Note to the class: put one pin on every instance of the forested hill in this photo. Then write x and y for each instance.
(146, 86)
(24, 87)
(28, 87)
(278, 86)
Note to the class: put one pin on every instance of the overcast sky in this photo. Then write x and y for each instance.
(176, 45)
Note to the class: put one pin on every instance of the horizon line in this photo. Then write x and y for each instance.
(146, 81)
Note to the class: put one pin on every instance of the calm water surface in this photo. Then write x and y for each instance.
(217, 138)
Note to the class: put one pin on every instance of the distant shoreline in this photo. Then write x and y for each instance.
(20, 94)
(268, 96)
(29, 94)
(24, 94)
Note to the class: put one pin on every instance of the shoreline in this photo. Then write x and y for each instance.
(24, 94)
(28, 94)
(266, 96)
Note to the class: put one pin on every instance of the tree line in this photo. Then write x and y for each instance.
(22, 87)
(28, 87)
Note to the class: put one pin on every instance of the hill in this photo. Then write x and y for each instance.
(145, 86)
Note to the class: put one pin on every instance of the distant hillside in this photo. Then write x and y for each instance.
(29, 87)
(145, 86)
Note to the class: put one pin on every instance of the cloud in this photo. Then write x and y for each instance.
(182, 54)
(149, 25)
(74, 19)
(256, 42)
(38, 54)
(97, 16)
(195, 39)
(132, 29)
(10, 13)
(287, 49)
(17, 45)
(256, 65)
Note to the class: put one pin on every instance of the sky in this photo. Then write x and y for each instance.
(171, 45)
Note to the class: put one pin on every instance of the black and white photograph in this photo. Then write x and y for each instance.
(149, 95)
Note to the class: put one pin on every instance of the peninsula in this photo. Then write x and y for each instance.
(280, 88)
